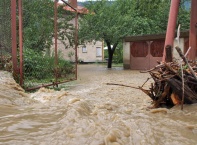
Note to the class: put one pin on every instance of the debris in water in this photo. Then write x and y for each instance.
(174, 83)
(168, 87)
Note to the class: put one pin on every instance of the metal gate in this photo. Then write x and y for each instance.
(44, 42)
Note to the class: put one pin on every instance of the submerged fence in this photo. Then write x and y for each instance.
(44, 42)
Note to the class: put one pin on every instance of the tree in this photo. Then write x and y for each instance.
(102, 23)
(184, 14)
(38, 24)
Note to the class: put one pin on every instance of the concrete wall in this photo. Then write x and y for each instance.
(181, 45)
(126, 55)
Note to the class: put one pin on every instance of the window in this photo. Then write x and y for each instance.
(98, 51)
(84, 49)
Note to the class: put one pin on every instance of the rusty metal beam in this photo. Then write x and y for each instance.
(174, 8)
(48, 85)
(76, 33)
(20, 13)
(192, 33)
(76, 43)
(13, 36)
(55, 37)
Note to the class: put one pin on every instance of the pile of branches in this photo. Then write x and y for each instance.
(174, 83)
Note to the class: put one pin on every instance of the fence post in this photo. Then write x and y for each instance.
(13, 36)
(20, 13)
(76, 43)
(55, 37)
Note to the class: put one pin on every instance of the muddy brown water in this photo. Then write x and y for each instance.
(92, 113)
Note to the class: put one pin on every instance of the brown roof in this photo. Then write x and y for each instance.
(184, 34)
(80, 9)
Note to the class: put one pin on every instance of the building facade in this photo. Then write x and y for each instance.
(89, 51)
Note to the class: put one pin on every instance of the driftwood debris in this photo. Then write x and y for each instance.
(174, 84)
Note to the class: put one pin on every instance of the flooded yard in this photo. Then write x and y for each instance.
(90, 112)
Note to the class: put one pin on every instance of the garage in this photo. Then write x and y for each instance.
(143, 52)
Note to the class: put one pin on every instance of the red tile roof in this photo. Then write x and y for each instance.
(80, 9)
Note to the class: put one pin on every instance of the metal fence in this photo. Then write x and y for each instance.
(5, 35)
(44, 43)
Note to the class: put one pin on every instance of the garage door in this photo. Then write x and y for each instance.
(139, 55)
(145, 54)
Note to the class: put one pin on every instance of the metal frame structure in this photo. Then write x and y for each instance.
(18, 69)
(174, 8)
(76, 34)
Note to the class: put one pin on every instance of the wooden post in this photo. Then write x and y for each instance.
(168, 57)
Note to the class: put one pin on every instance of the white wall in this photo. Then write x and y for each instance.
(181, 45)
(126, 55)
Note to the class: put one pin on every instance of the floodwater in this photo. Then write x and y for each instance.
(92, 113)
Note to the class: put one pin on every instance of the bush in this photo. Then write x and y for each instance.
(37, 66)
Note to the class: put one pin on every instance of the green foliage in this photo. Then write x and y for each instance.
(104, 22)
(118, 54)
(40, 67)
(36, 66)
(5, 28)
(38, 24)
(184, 18)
